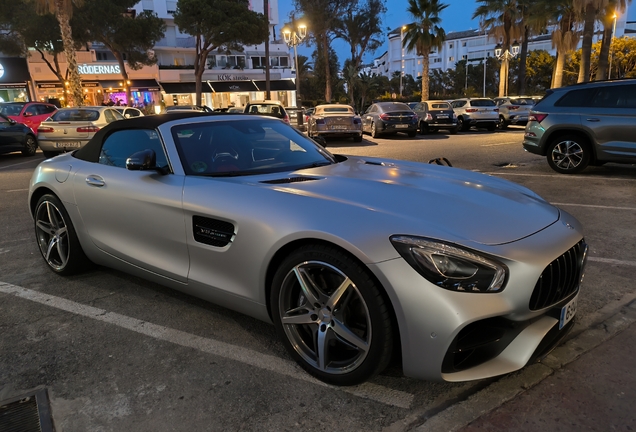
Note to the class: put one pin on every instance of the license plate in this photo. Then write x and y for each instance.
(444, 116)
(567, 312)
(339, 127)
(401, 126)
(69, 144)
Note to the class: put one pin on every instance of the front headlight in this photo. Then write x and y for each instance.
(452, 267)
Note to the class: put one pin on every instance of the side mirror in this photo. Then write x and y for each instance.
(144, 160)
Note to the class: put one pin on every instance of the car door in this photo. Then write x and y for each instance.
(136, 216)
(610, 116)
(10, 132)
(30, 116)
(368, 116)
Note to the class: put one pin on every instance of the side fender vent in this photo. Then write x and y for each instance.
(212, 232)
(290, 180)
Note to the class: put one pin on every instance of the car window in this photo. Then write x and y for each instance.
(395, 106)
(614, 97)
(459, 104)
(75, 115)
(244, 147)
(11, 109)
(337, 110)
(31, 110)
(482, 103)
(120, 145)
(577, 98)
(133, 112)
(441, 105)
(108, 114)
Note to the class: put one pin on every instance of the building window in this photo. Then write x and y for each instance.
(171, 7)
(147, 5)
(463, 44)
(226, 62)
(450, 46)
(451, 58)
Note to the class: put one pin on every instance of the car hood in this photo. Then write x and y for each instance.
(429, 199)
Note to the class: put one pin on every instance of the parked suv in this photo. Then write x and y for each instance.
(513, 110)
(584, 124)
(479, 112)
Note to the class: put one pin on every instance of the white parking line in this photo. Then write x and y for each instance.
(22, 163)
(595, 206)
(17, 190)
(613, 261)
(232, 352)
(500, 144)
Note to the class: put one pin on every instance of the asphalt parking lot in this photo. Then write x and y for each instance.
(118, 353)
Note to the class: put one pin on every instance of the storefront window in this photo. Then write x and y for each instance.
(226, 62)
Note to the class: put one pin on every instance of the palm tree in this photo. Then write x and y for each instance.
(424, 34)
(589, 9)
(350, 75)
(501, 18)
(367, 84)
(612, 10)
(565, 37)
(63, 10)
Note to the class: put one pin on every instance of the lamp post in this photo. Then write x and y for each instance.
(401, 57)
(505, 57)
(485, 60)
(293, 37)
(609, 75)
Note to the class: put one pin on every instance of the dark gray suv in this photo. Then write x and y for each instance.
(584, 124)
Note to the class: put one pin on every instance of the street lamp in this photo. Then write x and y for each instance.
(609, 75)
(505, 57)
(293, 37)
(401, 57)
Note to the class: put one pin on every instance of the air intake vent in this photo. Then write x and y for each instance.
(560, 278)
(212, 232)
(290, 180)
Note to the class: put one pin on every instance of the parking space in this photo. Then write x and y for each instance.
(119, 353)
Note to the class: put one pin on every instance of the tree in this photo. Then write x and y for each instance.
(63, 11)
(127, 37)
(424, 34)
(360, 28)
(368, 86)
(222, 25)
(613, 8)
(322, 16)
(500, 18)
(589, 10)
(325, 69)
(539, 67)
(350, 76)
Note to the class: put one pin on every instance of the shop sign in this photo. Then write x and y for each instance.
(98, 69)
(230, 77)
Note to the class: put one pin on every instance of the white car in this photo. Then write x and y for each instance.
(477, 112)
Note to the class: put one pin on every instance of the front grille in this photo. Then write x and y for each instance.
(560, 279)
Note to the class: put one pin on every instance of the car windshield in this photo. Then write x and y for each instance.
(412, 105)
(75, 115)
(394, 106)
(11, 109)
(482, 103)
(522, 101)
(337, 110)
(245, 147)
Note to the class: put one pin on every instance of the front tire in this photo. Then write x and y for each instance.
(569, 154)
(30, 146)
(374, 132)
(331, 315)
(56, 237)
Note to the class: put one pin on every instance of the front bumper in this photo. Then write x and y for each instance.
(430, 319)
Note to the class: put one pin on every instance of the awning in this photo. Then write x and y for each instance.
(233, 86)
(277, 85)
(14, 72)
(184, 87)
(135, 85)
(57, 84)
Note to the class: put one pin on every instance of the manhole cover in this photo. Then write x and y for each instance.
(26, 413)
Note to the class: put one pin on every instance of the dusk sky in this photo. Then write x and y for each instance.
(456, 17)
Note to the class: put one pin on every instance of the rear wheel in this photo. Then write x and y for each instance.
(502, 123)
(331, 315)
(462, 125)
(56, 237)
(569, 154)
(30, 146)
(374, 132)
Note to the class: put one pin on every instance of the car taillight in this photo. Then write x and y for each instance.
(45, 129)
(286, 119)
(429, 117)
(471, 110)
(384, 116)
(87, 129)
(513, 107)
(537, 117)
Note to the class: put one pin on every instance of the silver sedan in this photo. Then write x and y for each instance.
(461, 275)
(70, 128)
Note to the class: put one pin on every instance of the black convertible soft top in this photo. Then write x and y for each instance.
(90, 152)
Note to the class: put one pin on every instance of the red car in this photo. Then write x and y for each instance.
(28, 113)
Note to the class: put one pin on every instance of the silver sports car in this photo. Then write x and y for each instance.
(354, 259)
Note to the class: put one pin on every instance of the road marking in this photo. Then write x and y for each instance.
(232, 352)
(560, 176)
(612, 261)
(595, 206)
(21, 163)
(17, 190)
(500, 144)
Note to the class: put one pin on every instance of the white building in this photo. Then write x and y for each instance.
(471, 44)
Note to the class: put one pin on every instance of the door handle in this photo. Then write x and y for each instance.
(593, 119)
(95, 180)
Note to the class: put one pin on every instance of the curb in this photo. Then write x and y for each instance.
(508, 387)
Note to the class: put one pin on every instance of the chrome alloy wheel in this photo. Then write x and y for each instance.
(52, 235)
(567, 155)
(325, 317)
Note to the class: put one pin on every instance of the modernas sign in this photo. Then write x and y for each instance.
(98, 69)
